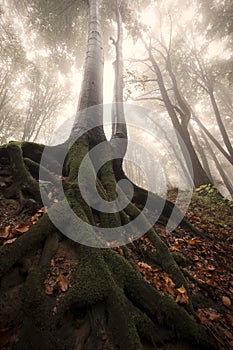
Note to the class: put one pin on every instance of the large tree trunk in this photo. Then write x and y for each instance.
(109, 304)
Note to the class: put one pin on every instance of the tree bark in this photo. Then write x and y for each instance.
(199, 175)
(220, 124)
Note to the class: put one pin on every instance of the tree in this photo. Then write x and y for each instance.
(12, 58)
(45, 101)
(217, 17)
(206, 82)
(180, 125)
(109, 297)
(173, 49)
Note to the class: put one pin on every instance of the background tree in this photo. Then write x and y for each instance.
(176, 56)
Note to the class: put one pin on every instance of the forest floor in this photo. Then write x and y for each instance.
(207, 265)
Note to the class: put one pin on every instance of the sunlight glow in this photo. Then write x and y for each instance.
(188, 14)
(108, 82)
(149, 16)
(218, 49)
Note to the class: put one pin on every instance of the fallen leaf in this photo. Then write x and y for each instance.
(48, 289)
(10, 241)
(202, 316)
(144, 265)
(5, 232)
(193, 241)
(213, 316)
(42, 210)
(210, 268)
(182, 297)
(22, 229)
(228, 334)
(62, 283)
(226, 301)
(181, 290)
(35, 217)
(120, 251)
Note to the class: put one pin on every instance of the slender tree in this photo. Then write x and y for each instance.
(181, 126)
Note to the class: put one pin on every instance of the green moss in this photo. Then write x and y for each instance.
(179, 259)
(29, 241)
(92, 282)
(121, 320)
(151, 331)
(75, 156)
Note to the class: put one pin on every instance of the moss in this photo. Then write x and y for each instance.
(23, 181)
(29, 241)
(33, 297)
(121, 321)
(162, 254)
(78, 205)
(32, 146)
(168, 313)
(179, 259)
(92, 282)
(75, 156)
(164, 308)
(151, 331)
(134, 308)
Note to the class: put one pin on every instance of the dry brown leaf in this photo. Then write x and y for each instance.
(194, 241)
(42, 210)
(5, 232)
(228, 334)
(213, 316)
(202, 316)
(22, 229)
(166, 278)
(226, 301)
(36, 217)
(144, 265)
(182, 290)
(48, 289)
(120, 251)
(9, 241)
(62, 283)
(182, 297)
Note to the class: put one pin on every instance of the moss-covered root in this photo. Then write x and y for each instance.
(122, 307)
(162, 309)
(37, 308)
(140, 199)
(162, 255)
(23, 183)
(26, 243)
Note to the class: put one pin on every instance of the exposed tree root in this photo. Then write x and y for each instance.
(140, 198)
(109, 305)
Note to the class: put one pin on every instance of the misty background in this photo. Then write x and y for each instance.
(178, 58)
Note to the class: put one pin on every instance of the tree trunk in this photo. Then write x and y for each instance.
(201, 152)
(212, 138)
(199, 175)
(185, 114)
(219, 167)
(220, 124)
